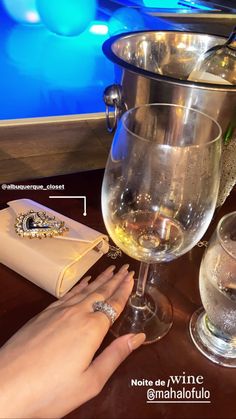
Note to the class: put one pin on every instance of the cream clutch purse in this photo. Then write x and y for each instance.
(54, 264)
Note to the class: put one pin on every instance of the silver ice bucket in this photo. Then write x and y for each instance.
(154, 66)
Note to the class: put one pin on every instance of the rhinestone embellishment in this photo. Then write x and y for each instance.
(38, 225)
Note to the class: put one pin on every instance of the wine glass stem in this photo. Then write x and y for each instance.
(142, 279)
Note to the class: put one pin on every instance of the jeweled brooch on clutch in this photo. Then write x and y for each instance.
(39, 225)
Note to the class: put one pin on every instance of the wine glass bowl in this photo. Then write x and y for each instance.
(158, 196)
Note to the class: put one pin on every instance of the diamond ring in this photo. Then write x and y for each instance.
(105, 308)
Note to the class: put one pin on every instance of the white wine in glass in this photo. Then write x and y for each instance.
(158, 197)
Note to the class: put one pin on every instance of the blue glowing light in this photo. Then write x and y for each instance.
(44, 74)
(125, 20)
(66, 17)
(199, 6)
(68, 62)
(24, 47)
(161, 4)
(98, 28)
(52, 75)
(23, 11)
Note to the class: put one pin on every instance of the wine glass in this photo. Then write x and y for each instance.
(213, 328)
(158, 196)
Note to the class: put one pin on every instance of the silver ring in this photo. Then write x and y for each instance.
(105, 308)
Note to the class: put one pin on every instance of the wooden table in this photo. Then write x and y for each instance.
(174, 355)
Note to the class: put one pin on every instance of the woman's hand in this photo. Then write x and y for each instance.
(47, 368)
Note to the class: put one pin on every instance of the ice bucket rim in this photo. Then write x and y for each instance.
(108, 51)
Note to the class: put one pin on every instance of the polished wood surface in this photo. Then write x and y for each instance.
(71, 144)
(174, 355)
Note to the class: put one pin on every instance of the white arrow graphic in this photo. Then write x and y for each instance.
(73, 196)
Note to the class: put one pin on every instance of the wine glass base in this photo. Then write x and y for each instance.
(215, 348)
(154, 318)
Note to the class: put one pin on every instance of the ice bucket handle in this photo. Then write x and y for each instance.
(112, 97)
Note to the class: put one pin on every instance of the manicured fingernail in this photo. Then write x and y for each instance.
(111, 268)
(124, 267)
(85, 280)
(129, 276)
(135, 341)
